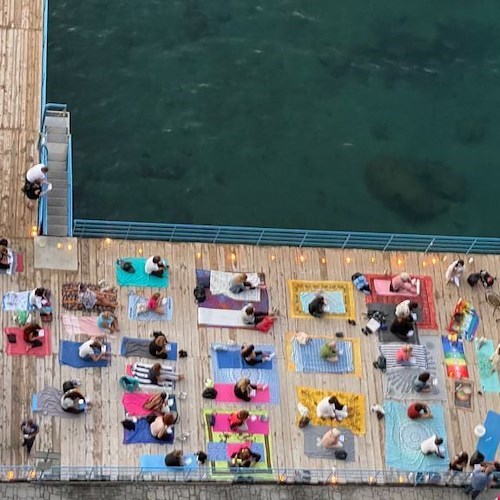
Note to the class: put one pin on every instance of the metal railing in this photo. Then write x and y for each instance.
(42, 201)
(87, 228)
(44, 60)
(69, 167)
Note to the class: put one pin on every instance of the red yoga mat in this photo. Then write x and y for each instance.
(133, 403)
(19, 348)
(254, 426)
(225, 394)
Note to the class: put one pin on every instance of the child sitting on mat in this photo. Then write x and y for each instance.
(404, 283)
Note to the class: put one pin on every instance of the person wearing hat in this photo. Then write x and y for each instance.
(404, 283)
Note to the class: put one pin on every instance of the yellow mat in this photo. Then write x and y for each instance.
(310, 398)
(296, 287)
(356, 350)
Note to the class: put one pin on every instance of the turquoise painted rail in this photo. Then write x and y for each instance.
(85, 228)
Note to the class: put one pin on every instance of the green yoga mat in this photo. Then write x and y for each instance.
(139, 278)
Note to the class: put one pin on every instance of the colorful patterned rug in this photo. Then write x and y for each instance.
(427, 319)
(454, 358)
(464, 321)
(355, 403)
(340, 297)
(71, 302)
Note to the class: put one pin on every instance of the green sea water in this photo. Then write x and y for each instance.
(358, 115)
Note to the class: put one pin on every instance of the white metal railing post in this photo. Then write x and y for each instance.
(303, 239)
(346, 241)
(388, 243)
(469, 250)
(430, 245)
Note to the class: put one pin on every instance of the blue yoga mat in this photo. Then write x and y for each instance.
(68, 355)
(156, 463)
(488, 444)
(139, 278)
(232, 359)
(218, 451)
(307, 358)
(34, 402)
(140, 347)
(134, 300)
(142, 434)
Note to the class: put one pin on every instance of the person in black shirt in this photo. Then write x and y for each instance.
(29, 429)
(174, 459)
(158, 346)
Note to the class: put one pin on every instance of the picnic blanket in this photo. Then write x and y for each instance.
(225, 394)
(419, 356)
(19, 347)
(142, 434)
(48, 402)
(403, 437)
(81, 325)
(255, 424)
(355, 403)
(140, 348)
(133, 402)
(488, 444)
(15, 301)
(312, 442)
(16, 261)
(140, 372)
(427, 318)
(307, 359)
(139, 278)
(69, 355)
(230, 357)
(489, 379)
(340, 298)
(135, 300)
(156, 463)
(454, 358)
(71, 300)
(220, 281)
(464, 320)
(389, 310)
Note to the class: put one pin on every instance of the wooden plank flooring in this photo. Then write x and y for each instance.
(101, 430)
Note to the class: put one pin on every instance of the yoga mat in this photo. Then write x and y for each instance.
(78, 325)
(427, 318)
(71, 299)
(225, 394)
(232, 359)
(383, 287)
(254, 426)
(140, 348)
(403, 437)
(488, 444)
(19, 348)
(133, 402)
(156, 463)
(139, 278)
(454, 358)
(469, 323)
(385, 336)
(335, 301)
(355, 421)
(489, 380)
(220, 281)
(142, 434)
(135, 300)
(48, 402)
(220, 452)
(298, 288)
(140, 372)
(314, 433)
(390, 350)
(220, 301)
(222, 318)
(15, 301)
(68, 355)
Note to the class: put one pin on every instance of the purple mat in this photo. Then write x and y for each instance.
(223, 302)
(142, 434)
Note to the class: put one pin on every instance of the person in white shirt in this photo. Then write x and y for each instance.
(331, 407)
(454, 272)
(37, 174)
(431, 446)
(155, 266)
(92, 350)
(407, 310)
(37, 298)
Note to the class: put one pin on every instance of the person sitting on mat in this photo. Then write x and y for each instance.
(329, 351)
(431, 446)
(404, 354)
(39, 298)
(158, 376)
(454, 272)
(253, 357)
(156, 403)
(155, 266)
(31, 335)
(421, 382)
(245, 390)
(404, 283)
(174, 459)
(159, 347)
(240, 284)
(93, 350)
(331, 407)
(459, 462)
(402, 328)
(4, 257)
(73, 401)
(161, 426)
(108, 322)
(90, 299)
(238, 421)
(317, 307)
(244, 458)
(331, 440)
(407, 309)
(419, 410)
(251, 317)
(155, 304)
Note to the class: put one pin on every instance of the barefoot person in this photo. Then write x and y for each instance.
(155, 304)
(403, 282)
(93, 350)
(32, 335)
(108, 322)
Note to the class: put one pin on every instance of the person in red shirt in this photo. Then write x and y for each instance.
(404, 354)
(419, 410)
(237, 421)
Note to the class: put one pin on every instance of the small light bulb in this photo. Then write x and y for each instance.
(59, 246)
(198, 255)
(233, 256)
(70, 247)
(373, 259)
(433, 260)
(140, 251)
(424, 263)
(273, 257)
(445, 258)
(10, 475)
(400, 262)
(107, 241)
(323, 260)
(348, 260)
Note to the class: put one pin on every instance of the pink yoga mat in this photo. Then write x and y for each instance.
(225, 394)
(222, 424)
(236, 447)
(133, 403)
(382, 288)
(19, 348)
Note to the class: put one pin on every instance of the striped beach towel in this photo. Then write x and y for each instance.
(140, 372)
(419, 355)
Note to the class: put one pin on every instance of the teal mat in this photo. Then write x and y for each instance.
(335, 301)
(489, 379)
(139, 278)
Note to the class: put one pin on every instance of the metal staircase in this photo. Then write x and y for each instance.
(57, 204)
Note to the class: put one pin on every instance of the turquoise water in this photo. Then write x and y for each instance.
(353, 115)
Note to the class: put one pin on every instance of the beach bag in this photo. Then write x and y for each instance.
(130, 384)
(209, 393)
(340, 454)
(473, 279)
(125, 266)
(265, 325)
(199, 294)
